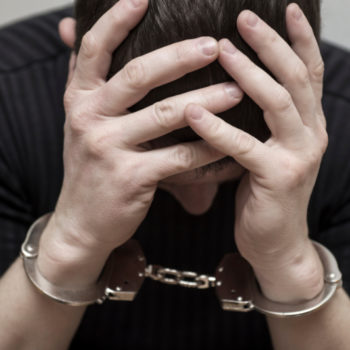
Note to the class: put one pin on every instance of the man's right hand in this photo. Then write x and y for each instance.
(109, 179)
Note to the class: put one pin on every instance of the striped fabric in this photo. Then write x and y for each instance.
(33, 67)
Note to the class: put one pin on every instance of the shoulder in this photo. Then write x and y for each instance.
(32, 40)
(33, 71)
(336, 95)
(337, 71)
(331, 198)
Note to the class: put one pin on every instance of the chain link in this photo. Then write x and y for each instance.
(186, 279)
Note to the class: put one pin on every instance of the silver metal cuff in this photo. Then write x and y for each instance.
(126, 269)
(120, 279)
(238, 290)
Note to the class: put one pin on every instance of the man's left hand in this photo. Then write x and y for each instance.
(271, 229)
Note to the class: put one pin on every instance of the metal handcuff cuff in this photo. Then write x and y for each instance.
(126, 269)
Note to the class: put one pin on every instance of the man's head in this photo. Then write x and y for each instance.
(169, 21)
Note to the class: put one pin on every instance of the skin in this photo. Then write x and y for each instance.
(102, 141)
(271, 229)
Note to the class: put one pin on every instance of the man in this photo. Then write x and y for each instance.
(112, 172)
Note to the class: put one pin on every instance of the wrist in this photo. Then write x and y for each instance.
(66, 263)
(299, 278)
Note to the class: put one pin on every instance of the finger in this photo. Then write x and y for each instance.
(280, 112)
(66, 30)
(282, 61)
(71, 68)
(305, 45)
(154, 69)
(168, 115)
(244, 148)
(105, 36)
(165, 162)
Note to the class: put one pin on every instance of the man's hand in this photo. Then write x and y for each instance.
(109, 180)
(271, 206)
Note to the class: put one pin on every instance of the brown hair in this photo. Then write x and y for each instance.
(169, 21)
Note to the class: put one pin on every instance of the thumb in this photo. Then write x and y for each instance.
(66, 30)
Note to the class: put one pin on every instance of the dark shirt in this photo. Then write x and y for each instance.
(33, 70)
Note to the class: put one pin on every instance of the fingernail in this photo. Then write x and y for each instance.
(252, 19)
(229, 47)
(195, 112)
(297, 13)
(208, 46)
(233, 90)
(136, 3)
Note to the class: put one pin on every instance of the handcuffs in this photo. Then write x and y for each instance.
(126, 269)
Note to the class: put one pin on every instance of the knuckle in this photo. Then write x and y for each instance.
(317, 71)
(283, 101)
(295, 174)
(182, 55)
(78, 122)
(298, 177)
(299, 172)
(89, 45)
(244, 143)
(68, 99)
(129, 172)
(134, 74)
(184, 157)
(215, 129)
(274, 38)
(164, 113)
(301, 75)
(208, 100)
(81, 114)
(116, 16)
(314, 160)
(324, 140)
(96, 144)
(179, 53)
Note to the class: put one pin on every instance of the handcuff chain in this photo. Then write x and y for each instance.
(126, 268)
(187, 279)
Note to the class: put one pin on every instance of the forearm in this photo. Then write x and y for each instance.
(327, 328)
(29, 320)
(293, 276)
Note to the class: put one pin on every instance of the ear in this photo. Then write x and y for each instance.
(66, 30)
